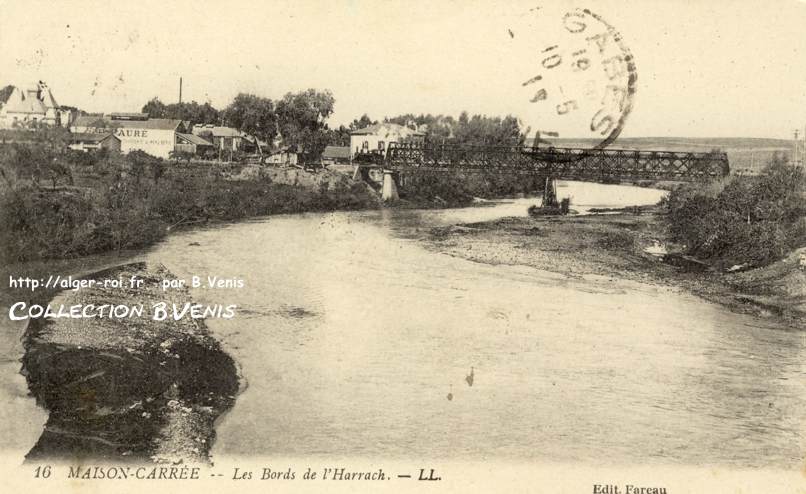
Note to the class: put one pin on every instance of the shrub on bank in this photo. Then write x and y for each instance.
(743, 219)
(42, 223)
(132, 201)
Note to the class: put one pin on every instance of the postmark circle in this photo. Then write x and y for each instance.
(581, 78)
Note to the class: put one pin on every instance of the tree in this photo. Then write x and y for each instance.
(155, 108)
(139, 161)
(362, 122)
(406, 120)
(56, 169)
(253, 115)
(302, 121)
(42, 154)
(437, 127)
(192, 112)
(478, 130)
(73, 109)
(481, 130)
(338, 137)
(157, 170)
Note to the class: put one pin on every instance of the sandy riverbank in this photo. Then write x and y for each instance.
(127, 389)
(614, 245)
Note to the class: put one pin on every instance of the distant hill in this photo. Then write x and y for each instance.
(682, 143)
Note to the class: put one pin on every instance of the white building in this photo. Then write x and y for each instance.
(377, 137)
(32, 106)
(155, 136)
(224, 138)
(281, 157)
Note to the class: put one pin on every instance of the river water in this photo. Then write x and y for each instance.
(351, 335)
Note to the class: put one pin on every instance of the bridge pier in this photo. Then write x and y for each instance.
(361, 172)
(389, 188)
(550, 193)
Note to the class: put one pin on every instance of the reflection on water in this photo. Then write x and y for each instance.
(21, 420)
(587, 195)
(351, 335)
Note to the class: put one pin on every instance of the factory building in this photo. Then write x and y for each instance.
(155, 136)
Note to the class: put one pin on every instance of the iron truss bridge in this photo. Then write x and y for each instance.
(607, 165)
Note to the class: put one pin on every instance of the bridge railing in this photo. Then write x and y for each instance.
(567, 163)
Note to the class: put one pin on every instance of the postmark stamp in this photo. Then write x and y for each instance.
(580, 78)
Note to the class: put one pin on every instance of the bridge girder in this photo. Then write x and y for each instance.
(560, 163)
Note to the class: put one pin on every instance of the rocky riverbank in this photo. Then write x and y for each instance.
(130, 388)
(626, 244)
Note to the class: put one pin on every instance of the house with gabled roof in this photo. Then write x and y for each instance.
(225, 138)
(92, 142)
(377, 137)
(193, 144)
(335, 155)
(32, 106)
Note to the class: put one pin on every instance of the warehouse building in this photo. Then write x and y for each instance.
(155, 136)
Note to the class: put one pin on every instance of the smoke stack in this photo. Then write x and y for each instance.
(180, 90)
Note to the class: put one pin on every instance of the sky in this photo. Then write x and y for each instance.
(714, 68)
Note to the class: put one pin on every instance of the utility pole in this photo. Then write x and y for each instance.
(795, 160)
(180, 90)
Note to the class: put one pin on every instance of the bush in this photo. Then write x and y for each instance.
(132, 201)
(745, 219)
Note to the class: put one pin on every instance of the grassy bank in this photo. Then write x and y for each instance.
(98, 203)
(56, 203)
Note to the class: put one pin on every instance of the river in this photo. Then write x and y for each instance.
(350, 336)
